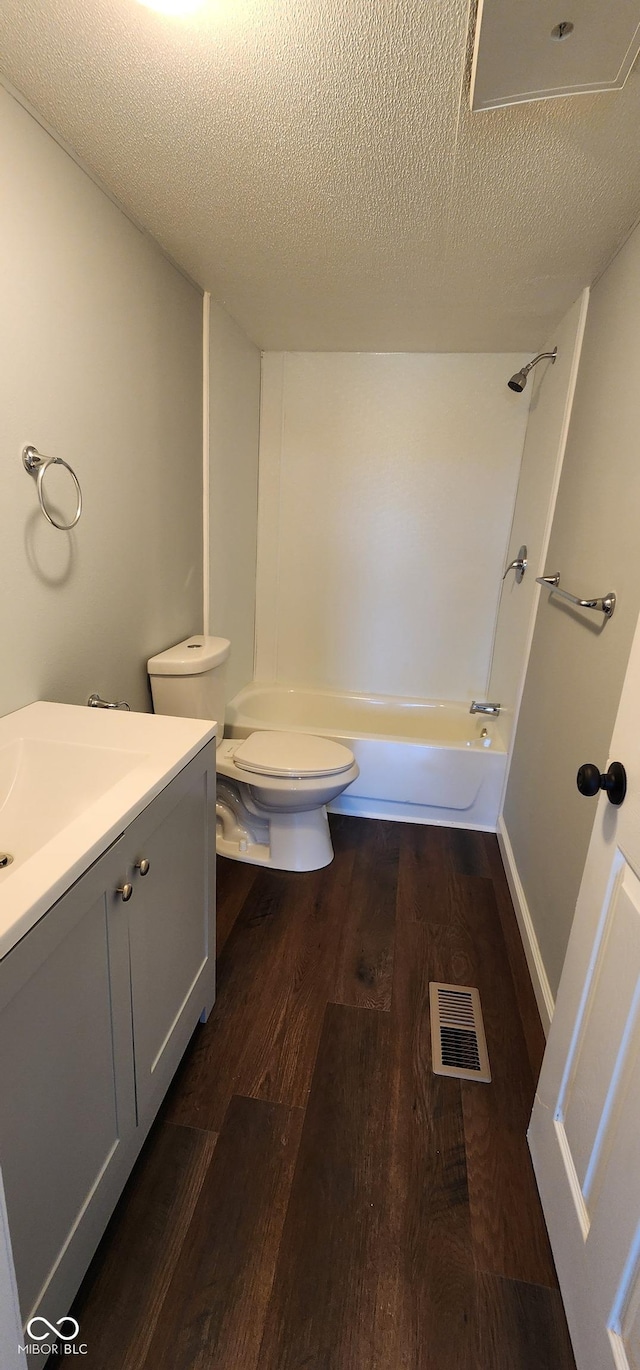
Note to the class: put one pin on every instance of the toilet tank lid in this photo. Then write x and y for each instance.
(194, 656)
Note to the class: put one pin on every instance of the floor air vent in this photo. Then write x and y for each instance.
(457, 1033)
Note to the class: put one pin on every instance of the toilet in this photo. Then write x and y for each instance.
(272, 787)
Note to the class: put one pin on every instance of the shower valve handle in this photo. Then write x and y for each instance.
(519, 565)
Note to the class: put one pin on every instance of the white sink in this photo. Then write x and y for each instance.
(44, 785)
(71, 779)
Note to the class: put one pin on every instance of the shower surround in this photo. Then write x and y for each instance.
(386, 491)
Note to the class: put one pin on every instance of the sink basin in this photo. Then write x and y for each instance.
(44, 785)
(71, 780)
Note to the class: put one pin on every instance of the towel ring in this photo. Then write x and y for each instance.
(36, 465)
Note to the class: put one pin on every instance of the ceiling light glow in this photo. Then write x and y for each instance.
(177, 9)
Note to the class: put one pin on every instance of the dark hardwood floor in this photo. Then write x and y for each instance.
(312, 1196)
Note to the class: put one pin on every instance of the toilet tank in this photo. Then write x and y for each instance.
(188, 680)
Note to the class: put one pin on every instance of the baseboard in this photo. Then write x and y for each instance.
(541, 986)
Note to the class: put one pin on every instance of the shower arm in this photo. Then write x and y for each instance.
(540, 357)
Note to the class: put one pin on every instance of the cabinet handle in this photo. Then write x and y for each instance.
(143, 866)
(125, 891)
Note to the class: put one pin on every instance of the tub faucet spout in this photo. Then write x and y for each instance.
(478, 707)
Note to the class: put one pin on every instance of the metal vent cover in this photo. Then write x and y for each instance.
(459, 1046)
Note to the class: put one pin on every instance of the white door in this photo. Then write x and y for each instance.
(585, 1128)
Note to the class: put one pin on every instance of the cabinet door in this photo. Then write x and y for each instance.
(172, 925)
(66, 1087)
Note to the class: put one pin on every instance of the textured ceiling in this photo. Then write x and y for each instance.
(314, 163)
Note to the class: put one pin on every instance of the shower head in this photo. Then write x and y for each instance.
(519, 381)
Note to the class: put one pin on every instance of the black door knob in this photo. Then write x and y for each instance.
(614, 781)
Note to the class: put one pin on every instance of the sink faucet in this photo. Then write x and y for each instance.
(95, 702)
(483, 708)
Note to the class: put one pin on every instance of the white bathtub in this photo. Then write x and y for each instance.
(421, 761)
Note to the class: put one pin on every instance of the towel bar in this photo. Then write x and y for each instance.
(604, 604)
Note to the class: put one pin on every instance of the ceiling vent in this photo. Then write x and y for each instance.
(539, 51)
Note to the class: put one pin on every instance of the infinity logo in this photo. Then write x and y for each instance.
(55, 1330)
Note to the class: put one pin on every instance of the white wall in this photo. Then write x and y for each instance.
(387, 484)
(100, 354)
(577, 662)
(234, 433)
(553, 387)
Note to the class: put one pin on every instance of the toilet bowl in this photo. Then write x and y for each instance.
(273, 787)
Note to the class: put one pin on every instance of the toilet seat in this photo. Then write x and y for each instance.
(291, 755)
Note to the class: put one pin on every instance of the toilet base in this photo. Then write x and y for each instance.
(292, 841)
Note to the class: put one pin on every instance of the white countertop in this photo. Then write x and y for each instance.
(71, 780)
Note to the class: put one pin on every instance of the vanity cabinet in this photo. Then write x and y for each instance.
(97, 1004)
(168, 925)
